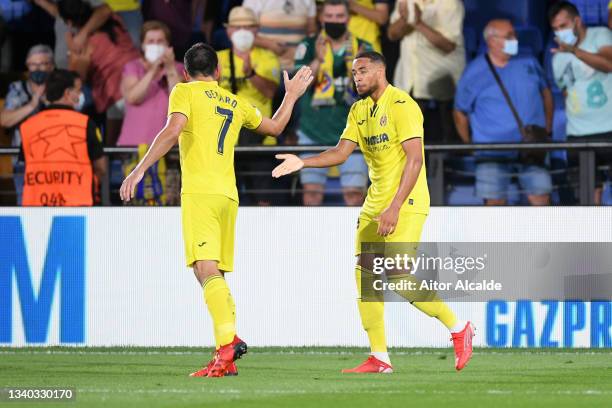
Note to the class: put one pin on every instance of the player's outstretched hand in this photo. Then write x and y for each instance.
(126, 192)
(291, 163)
(300, 82)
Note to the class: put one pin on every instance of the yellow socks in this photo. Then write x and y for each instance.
(439, 310)
(372, 317)
(221, 308)
(429, 302)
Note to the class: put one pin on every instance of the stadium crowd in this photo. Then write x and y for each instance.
(99, 73)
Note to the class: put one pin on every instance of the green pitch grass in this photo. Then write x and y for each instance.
(310, 377)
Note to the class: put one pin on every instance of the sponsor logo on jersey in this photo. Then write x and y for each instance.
(376, 139)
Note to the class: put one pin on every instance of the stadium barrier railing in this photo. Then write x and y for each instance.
(437, 155)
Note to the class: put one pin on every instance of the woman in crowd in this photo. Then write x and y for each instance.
(146, 84)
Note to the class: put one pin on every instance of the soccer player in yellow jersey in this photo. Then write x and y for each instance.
(387, 125)
(205, 119)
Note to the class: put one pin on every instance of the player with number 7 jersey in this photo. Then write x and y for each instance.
(205, 120)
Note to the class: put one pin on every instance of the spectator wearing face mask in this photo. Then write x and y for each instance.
(252, 73)
(24, 98)
(483, 115)
(146, 83)
(61, 148)
(582, 66)
(326, 105)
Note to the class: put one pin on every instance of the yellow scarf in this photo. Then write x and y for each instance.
(152, 189)
(325, 87)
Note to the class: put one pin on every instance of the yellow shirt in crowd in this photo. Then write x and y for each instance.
(265, 64)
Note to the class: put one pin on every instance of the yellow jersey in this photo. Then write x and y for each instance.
(123, 5)
(365, 28)
(206, 144)
(264, 63)
(380, 129)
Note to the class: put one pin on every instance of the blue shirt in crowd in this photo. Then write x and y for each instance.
(479, 96)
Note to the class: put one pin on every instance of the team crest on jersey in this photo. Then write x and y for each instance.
(383, 120)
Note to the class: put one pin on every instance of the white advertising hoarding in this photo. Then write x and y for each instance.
(117, 276)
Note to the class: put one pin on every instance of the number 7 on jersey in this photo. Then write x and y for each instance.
(228, 116)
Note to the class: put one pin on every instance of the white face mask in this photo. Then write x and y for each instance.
(511, 47)
(243, 40)
(153, 52)
(567, 36)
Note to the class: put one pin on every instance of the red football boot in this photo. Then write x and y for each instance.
(462, 342)
(231, 370)
(225, 357)
(372, 365)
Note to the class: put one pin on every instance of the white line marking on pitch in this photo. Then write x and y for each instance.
(232, 391)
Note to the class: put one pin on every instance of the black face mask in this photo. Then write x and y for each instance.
(39, 77)
(335, 30)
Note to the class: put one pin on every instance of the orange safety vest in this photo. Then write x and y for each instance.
(58, 170)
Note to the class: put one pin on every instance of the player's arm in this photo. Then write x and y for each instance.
(294, 88)
(162, 143)
(331, 157)
(413, 149)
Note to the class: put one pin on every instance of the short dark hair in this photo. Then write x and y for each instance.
(77, 12)
(559, 7)
(57, 83)
(200, 59)
(372, 56)
(337, 3)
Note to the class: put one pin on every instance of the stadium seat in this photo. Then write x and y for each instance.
(470, 40)
(548, 71)
(11, 10)
(463, 195)
(531, 37)
(520, 12)
(459, 176)
(593, 12)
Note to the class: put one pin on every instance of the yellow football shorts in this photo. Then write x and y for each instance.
(408, 230)
(209, 222)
